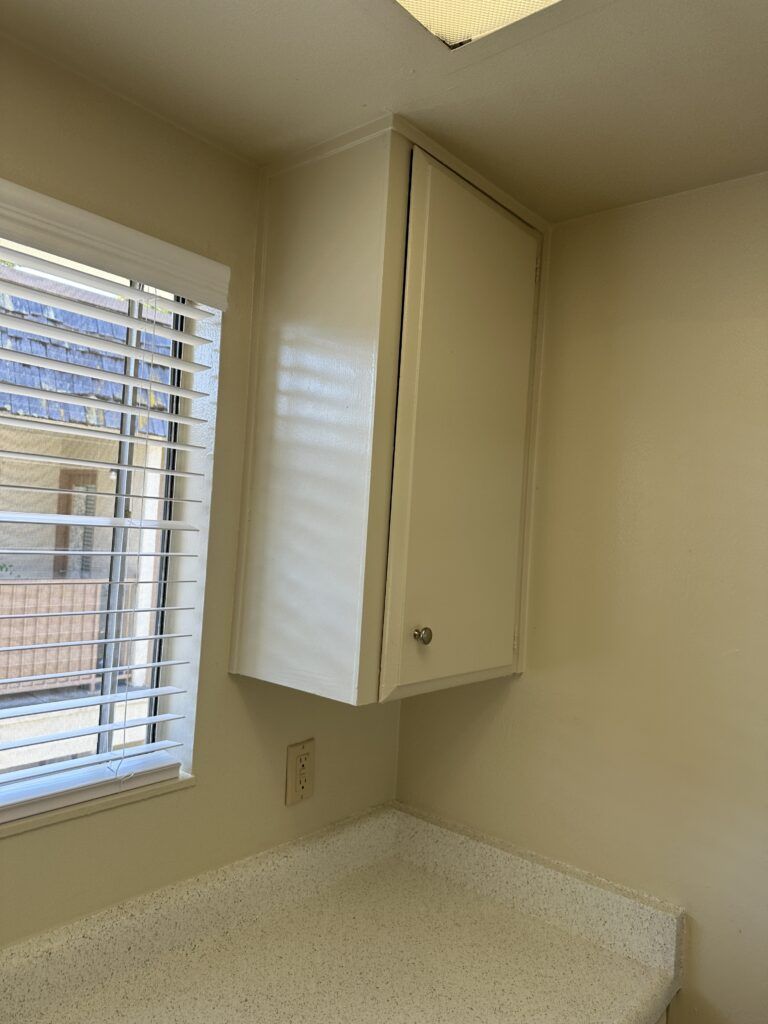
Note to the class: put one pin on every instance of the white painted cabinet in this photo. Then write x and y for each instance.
(386, 465)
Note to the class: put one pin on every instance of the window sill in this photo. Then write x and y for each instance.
(95, 805)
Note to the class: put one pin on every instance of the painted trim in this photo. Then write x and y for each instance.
(532, 453)
(36, 796)
(453, 163)
(400, 690)
(42, 222)
(93, 806)
(336, 144)
(235, 667)
(401, 126)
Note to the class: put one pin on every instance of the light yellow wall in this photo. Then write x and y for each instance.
(66, 138)
(636, 745)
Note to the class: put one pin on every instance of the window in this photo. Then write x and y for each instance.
(106, 413)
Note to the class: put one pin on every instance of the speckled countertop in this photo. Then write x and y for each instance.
(387, 919)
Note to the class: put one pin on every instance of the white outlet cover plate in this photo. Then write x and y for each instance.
(300, 772)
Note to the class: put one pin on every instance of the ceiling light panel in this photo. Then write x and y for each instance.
(456, 22)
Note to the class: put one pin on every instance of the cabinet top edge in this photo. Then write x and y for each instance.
(444, 156)
(336, 144)
(395, 124)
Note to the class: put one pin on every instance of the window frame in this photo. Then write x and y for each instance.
(46, 224)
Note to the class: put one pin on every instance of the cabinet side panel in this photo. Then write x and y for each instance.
(301, 598)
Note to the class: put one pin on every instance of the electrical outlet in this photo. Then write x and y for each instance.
(300, 772)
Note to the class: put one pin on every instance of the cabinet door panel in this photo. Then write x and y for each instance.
(457, 500)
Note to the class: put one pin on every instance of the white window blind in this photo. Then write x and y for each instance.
(106, 427)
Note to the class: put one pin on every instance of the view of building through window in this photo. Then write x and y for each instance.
(94, 480)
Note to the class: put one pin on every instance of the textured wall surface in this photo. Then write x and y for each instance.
(636, 744)
(64, 137)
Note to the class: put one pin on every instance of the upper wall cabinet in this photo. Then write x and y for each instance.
(382, 543)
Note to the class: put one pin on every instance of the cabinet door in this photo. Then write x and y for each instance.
(455, 545)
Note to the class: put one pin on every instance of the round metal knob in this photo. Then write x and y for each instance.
(424, 635)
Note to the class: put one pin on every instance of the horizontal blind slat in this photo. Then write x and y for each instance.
(57, 767)
(45, 707)
(24, 488)
(99, 284)
(95, 373)
(34, 795)
(97, 342)
(87, 582)
(96, 552)
(98, 435)
(73, 674)
(65, 460)
(88, 730)
(93, 643)
(99, 611)
(102, 313)
(56, 519)
(89, 402)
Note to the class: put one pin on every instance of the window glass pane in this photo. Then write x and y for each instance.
(80, 601)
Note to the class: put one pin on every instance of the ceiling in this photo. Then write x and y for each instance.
(585, 105)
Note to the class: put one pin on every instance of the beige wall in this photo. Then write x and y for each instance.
(62, 136)
(636, 745)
